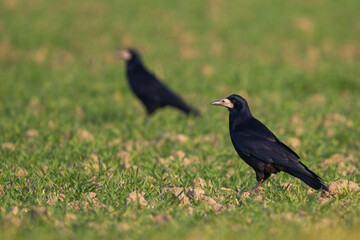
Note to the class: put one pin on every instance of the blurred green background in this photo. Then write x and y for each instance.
(65, 104)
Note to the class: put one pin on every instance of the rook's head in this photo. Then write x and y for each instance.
(128, 55)
(233, 103)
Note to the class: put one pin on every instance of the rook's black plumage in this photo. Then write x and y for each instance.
(260, 148)
(152, 93)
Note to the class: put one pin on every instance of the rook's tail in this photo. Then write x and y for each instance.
(186, 109)
(310, 178)
(195, 112)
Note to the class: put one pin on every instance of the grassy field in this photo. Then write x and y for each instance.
(75, 144)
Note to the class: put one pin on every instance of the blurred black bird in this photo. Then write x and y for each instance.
(260, 148)
(152, 93)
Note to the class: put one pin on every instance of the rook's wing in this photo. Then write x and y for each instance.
(258, 141)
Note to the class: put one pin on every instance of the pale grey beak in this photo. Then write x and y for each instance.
(223, 103)
(124, 55)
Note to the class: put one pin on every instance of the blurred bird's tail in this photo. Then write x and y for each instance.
(194, 112)
(187, 109)
(310, 178)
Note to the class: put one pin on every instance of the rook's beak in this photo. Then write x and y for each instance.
(223, 103)
(124, 55)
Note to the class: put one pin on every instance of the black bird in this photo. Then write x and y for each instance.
(260, 148)
(152, 93)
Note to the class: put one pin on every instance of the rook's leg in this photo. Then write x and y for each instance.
(260, 177)
(257, 185)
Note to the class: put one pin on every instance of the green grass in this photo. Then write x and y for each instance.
(58, 76)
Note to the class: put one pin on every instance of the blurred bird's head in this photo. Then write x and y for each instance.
(129, 55)
(232, 103)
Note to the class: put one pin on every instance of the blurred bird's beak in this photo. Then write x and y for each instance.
(124, 55)
(223, 103)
